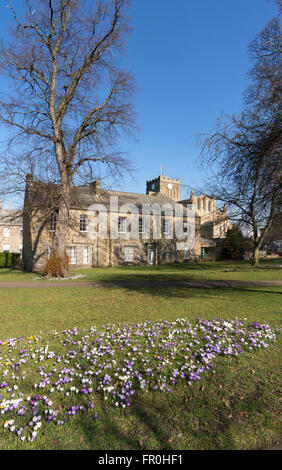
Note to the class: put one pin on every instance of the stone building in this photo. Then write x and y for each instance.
(214, 224)
(164, 185)
(112, 228)
(11, 230)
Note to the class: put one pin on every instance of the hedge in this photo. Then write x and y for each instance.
(8, 259)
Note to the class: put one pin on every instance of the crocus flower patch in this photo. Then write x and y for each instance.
(46, 380)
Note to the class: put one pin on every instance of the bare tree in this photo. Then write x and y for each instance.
(71, 99)
(244, 152)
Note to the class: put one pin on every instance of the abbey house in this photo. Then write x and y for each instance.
(158, 217)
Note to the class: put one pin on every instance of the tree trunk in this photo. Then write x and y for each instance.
(255, 255)
(62, 225)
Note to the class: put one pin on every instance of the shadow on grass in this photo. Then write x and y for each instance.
(180, 272)
(226, 410)
(181, 288)
(189, 419)
(11, 270)
(146, 425)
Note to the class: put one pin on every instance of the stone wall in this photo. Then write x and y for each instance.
(88, 250)
(11, 238)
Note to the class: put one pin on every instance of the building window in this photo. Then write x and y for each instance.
(21, 248)
(21, 232)
(185, 227)
(86, 254)
(53, 222)
(122, 225)
(141, 225)
(152, 254)
(186, 253)
(204, 203)
(209, 205)
(128, 254)
(72, 254)
(167, 255)
(166, 226)
(6, 232)
(83, 223)
(6, 248)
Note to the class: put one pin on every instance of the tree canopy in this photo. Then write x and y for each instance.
(245, 151)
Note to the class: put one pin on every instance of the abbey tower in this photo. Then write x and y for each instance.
(164, 185)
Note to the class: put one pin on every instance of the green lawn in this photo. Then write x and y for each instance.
(28, 311)
(220, 270)
(236, 408)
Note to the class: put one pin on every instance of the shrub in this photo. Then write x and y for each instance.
(235, 244)
(9, 259)
(56, 266)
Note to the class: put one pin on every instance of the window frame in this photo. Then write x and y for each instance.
(84, 223)
(185, 226)
(167, 255)
(142, 225)
(186, 253)
(124, 220)
(126, 258)
(70, 254)
(86, 251)
(166, 226)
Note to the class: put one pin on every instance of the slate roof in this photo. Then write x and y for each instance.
(82, 197)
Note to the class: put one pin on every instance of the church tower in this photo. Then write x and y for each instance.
(164, 185)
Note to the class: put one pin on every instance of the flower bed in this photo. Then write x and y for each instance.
(47, 380)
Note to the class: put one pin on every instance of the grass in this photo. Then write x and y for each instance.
(267, 270)
(205, 271)
(236, 408)
(28, 311)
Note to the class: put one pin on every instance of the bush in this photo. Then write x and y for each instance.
(56, 266)
(235, 244)
(9, 259)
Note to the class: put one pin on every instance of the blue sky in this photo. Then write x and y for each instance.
(190, 60)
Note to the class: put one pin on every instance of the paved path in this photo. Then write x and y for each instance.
(141, 283)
